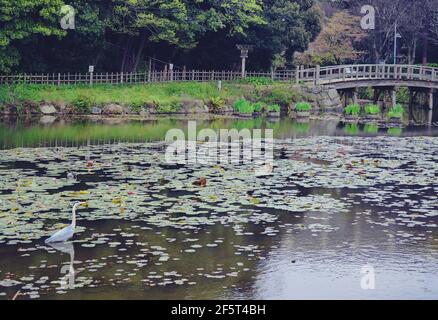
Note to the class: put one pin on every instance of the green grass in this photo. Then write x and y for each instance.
(243, 106)
(303, 106)
(274, 108)
(396, 111)
(372, 109)
(167, 97)
(352, 109)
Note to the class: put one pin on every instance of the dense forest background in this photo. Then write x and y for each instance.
(133, 35)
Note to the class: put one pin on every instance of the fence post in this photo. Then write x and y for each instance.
(121, 77)
(297, 74)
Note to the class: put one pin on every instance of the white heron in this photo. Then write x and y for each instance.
(68, 232)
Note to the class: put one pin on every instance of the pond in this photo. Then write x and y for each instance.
(343, 199)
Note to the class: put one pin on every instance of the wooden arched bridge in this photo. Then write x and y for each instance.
(347, 79)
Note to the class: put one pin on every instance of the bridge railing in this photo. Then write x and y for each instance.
(344, 73)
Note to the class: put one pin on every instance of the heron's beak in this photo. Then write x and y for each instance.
(84, 204)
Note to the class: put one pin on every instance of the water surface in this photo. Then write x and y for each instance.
(340, 197)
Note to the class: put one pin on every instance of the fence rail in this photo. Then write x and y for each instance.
(317, 75)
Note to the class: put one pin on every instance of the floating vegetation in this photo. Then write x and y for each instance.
(145, 219)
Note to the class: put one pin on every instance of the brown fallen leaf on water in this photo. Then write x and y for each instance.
(202, 182)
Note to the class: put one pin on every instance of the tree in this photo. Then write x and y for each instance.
(21, 19)
(176, 22)
(337, 43)
(290, 27)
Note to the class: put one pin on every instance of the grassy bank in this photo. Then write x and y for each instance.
(166, 96)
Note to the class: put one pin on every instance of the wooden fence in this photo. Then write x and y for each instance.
(317, 75)
(140, 77)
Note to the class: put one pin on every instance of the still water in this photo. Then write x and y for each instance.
(341, 200)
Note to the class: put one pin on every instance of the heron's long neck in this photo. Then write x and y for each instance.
(73, 218)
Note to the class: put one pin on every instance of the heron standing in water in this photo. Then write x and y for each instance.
(68, 232)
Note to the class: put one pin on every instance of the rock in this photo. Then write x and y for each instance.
(48, 109)
(112, 109)
(193, 106)
(96, 110)
(144, 112)
(128, 110)
(333, 94)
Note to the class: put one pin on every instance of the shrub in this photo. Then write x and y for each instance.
(243, 106)
(303, 106)
(281, 96)
(396, 112)
(136, 106)
(259, 107)
(352, 109)
(82, 104)
(170, 107)
(372, 109)
(257, 80)
(274, 108)
(216, 104)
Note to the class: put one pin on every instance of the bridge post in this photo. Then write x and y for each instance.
(317, 74)
(394, 96)
(431, 99)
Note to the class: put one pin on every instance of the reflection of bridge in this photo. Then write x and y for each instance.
(382, 78)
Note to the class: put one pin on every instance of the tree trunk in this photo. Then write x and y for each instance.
(425, 48)
(139, 53)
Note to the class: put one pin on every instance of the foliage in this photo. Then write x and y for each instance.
(303, 106)
(216, 104)
(136, 106)
(352, 109)
(82, 104)
(21, 19)
(243, 106)
(372, 109)
(290, 27)
(337, 41)
(403, 95)
(258, 80)
(136, 96)
(282, 96)
(396, 111)
(259, 107)
(274, 108)
(170, 107)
